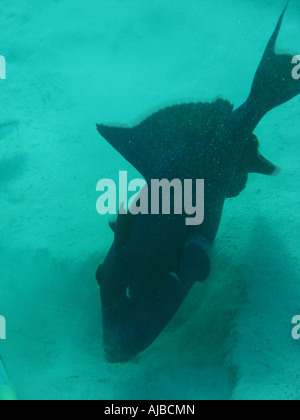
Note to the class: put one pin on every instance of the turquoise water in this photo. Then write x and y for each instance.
(72, 64)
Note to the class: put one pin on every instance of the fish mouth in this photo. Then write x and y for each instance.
(123, 345)
(131, 325)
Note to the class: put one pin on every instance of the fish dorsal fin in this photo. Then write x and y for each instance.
(148, 144)
(251, 162)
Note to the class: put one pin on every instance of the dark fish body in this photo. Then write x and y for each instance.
(156, 259)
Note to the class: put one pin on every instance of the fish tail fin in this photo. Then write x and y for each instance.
(274, 84)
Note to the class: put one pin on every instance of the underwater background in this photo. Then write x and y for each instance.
(72, 64)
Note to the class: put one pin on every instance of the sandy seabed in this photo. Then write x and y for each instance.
(72, 64)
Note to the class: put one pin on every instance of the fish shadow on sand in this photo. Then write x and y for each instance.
(264, 346)
(12, 168)
(8, 128)
(272, 277)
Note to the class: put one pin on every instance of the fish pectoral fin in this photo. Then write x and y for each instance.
(265, 167)
(195, 261)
